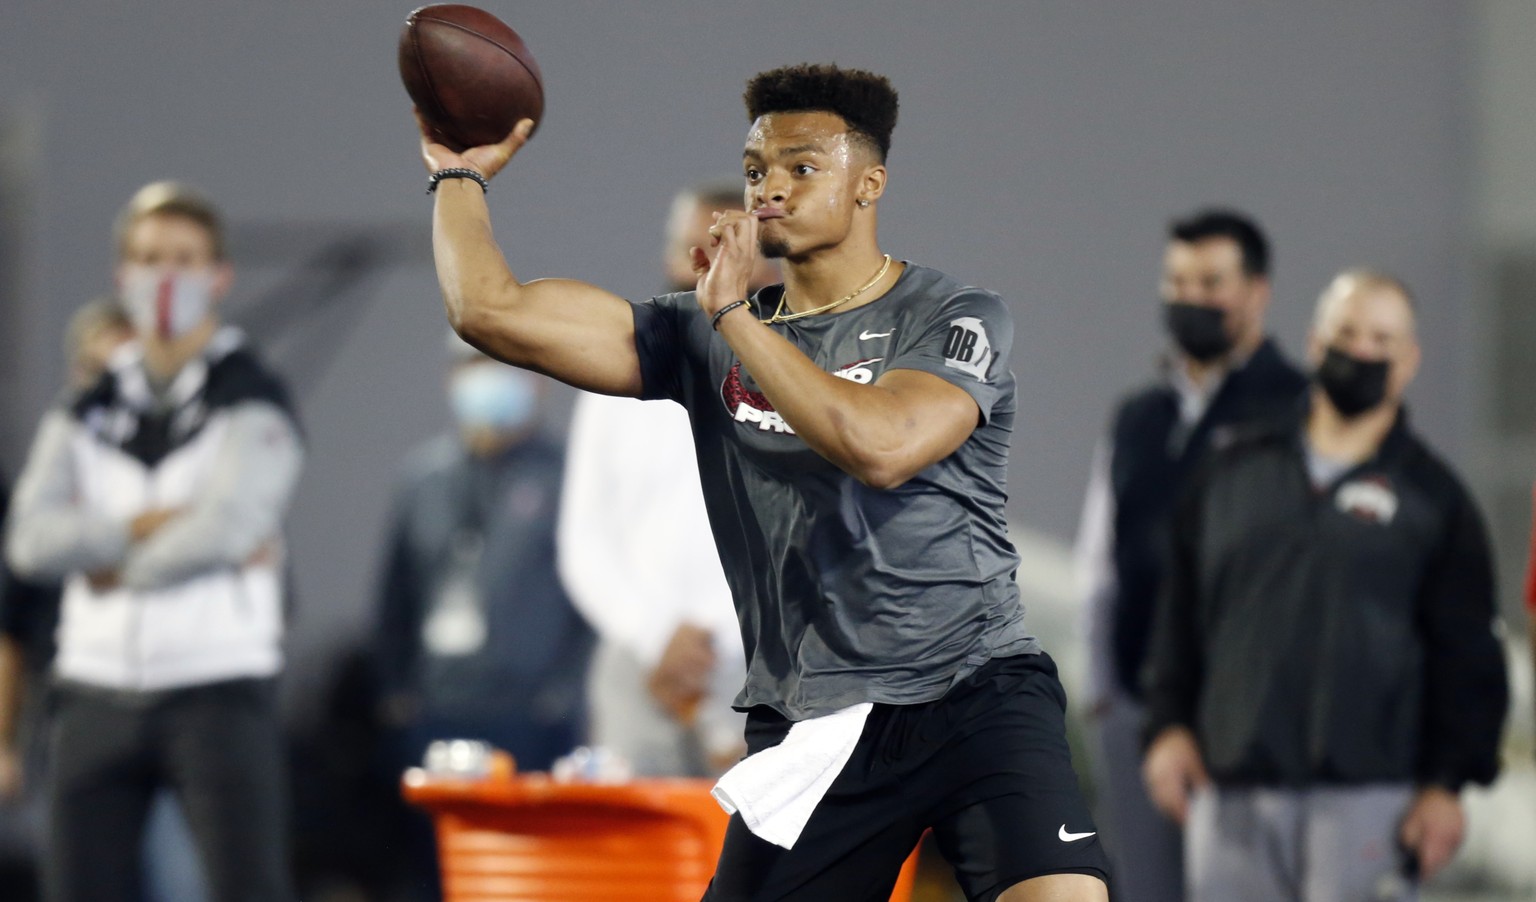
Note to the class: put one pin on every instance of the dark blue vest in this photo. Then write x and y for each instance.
(1153, 455)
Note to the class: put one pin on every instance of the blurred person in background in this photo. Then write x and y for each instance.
(637, 557)
(475, 636)
(29, 611)
(1530, 582)
(156, 495)
(1221, 370)
(1324, 676)
(95, 333)
(29, 617)
(26, 643)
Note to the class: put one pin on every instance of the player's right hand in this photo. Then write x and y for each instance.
(487, 159)
(1173, 770)
(724, 278)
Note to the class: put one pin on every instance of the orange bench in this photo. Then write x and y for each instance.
(527, 838)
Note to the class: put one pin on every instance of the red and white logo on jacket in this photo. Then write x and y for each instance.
(1369, 498)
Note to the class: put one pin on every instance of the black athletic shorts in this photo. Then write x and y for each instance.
(986, 767)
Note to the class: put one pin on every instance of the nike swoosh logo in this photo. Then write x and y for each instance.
(1064, 836)
(867, 335)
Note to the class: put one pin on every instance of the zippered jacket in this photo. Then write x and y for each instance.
(200, 599)
(1335, 635)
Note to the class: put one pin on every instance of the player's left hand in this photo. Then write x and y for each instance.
(1434, 828)
(724, 279)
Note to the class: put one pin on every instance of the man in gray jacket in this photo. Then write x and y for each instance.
(156, 495)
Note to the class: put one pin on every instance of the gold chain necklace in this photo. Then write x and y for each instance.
(778, 313)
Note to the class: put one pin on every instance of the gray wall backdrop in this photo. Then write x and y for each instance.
(1041, 148)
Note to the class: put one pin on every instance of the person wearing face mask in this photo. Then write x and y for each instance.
(156, 495)
(475, 637)
(1221, 370)
(1324, 675)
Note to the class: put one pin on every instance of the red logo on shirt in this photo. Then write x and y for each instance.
(747, 405)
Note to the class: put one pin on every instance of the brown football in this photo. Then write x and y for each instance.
(470, 75)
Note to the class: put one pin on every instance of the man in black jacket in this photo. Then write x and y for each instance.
(1222, 370)
(1324, 677)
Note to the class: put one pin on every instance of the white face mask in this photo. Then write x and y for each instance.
(166, 303)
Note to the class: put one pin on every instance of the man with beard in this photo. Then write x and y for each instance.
(1324, 676)
(1222, 370)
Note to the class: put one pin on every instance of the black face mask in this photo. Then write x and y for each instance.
(1199, 331)
(1354, 386)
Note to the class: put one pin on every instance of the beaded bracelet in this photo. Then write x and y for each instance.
(714, 321)
(457, 173)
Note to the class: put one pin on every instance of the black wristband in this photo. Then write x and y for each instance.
(457, 172)
(714, 321)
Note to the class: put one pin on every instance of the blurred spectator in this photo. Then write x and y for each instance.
(29, 611)
(156, 495)
(1222, 370)
(95, 333)
(476, 638)
(347, 829)
(29, 616)
(1530, 581)
(20, 715)
(1324, 676)
(669, 661)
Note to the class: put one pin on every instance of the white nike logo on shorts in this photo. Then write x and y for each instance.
(866, 335)
(1064, 836)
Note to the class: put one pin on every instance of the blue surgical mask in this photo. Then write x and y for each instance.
(493, 396)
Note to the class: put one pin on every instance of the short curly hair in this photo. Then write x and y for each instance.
(864, 100)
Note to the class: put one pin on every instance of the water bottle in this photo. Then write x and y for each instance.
(592, 765)
(463, 759)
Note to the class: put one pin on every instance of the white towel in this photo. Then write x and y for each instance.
(777, 789)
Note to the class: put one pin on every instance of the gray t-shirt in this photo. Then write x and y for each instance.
(845, 593)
